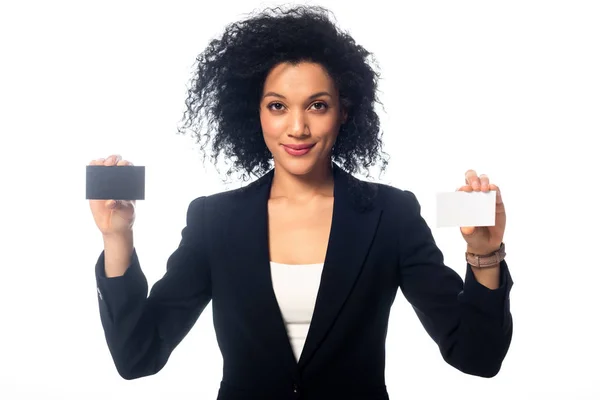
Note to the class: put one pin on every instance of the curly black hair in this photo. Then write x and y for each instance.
(227, 85)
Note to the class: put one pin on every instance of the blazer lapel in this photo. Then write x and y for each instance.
(352, 231)
(251, 235)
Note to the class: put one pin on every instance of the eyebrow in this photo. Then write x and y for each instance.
(319, 94)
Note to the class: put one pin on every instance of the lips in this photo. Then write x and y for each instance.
(298, 149)
(299, 146)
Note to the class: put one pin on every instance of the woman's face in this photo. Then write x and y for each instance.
(300, 114)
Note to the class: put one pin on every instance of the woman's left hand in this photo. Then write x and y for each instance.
(484, 240)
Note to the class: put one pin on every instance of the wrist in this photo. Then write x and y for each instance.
(482, 252)
(486, 260)
(118, 250)
(121, 237)
(488, 277)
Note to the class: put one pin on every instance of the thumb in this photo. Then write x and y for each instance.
(112, 204)
(467, 230)
(116, 204)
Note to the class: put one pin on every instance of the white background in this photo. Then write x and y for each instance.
(510, 89)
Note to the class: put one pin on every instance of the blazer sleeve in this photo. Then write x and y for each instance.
(471, 324)
(142, 331)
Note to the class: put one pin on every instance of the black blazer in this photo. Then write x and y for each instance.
(378, 243)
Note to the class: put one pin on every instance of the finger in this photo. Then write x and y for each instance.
(465, 188)
(485, 182)
(97, 161)
(472, 179)
(112, 160)
(498, 194)
(124, 162)
(119, 204)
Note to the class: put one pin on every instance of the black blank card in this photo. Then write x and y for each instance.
(122, 182)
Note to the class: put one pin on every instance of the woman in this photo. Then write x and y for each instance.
(302, 265)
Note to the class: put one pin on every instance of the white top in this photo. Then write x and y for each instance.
(296, 287)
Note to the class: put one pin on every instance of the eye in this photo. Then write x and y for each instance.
(275, 106)
(320, 106)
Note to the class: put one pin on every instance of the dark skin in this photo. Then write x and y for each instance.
(301, 105)
(484, 240)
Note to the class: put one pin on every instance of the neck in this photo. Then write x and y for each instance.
(319, 182)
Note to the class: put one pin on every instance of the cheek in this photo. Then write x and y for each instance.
(271, 127)
(329, 128)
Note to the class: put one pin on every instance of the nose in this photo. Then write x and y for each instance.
(298, 126)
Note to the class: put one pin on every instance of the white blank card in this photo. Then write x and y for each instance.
(456, 209)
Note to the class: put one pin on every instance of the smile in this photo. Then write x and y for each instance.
(298, 149)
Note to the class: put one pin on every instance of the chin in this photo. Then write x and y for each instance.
(299, 167)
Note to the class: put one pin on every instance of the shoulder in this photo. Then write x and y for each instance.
(385, 196)
(401, 210)
(397, 197)
(225, 201)
(214, 203)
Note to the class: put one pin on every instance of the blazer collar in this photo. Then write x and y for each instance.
(355, 220)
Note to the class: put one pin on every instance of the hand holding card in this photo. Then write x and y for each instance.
(113, 185)
(478, 210)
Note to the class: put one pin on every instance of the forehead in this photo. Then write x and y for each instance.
(303, 78)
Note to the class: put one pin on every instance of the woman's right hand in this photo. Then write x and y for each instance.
(113, 217)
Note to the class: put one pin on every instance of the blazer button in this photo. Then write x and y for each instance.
(295, 388)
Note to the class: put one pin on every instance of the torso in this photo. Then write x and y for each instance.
(299, 234)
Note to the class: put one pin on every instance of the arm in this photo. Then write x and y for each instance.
(471, 323)
(141, 332)
(488, 277)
